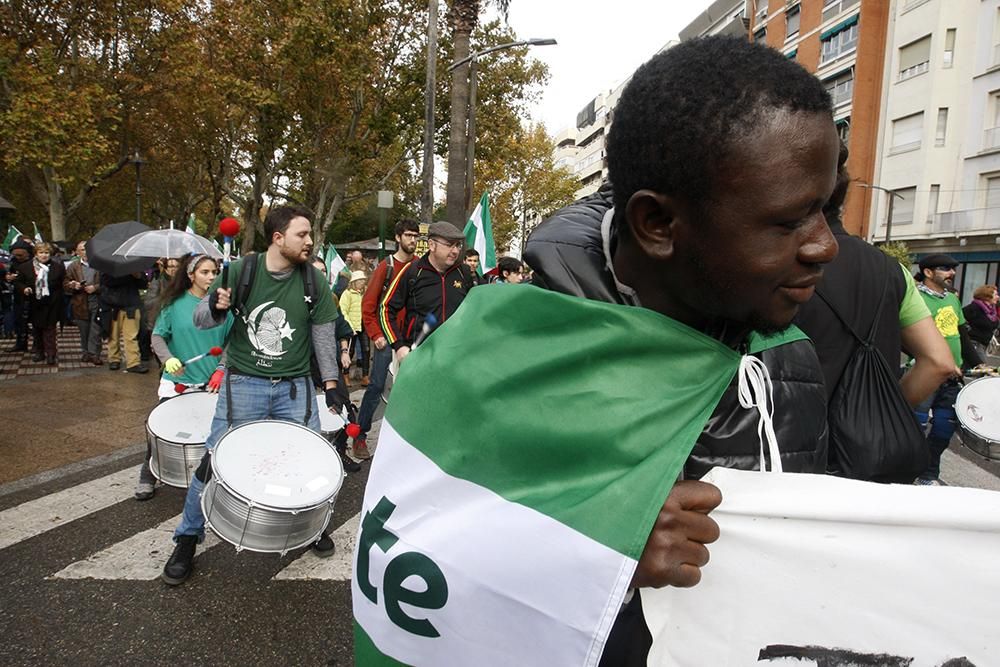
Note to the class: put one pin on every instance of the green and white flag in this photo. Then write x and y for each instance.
(334, 265)
(479, 235)
(516, 483)
(321, 253)
(190, 226)
(12, 234)
(38, 234)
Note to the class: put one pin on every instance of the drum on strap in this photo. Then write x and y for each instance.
(978, 410)
(329, 423)
(273, 486)
(176, 431)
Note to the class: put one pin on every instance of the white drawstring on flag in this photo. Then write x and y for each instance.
(756, 391)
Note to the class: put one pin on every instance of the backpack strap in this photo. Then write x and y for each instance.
(389, 265)
(878, 311)
(244, 282)
(309, 286)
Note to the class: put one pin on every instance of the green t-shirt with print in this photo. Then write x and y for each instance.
(175, 324)
(274, 339)
(947, 313)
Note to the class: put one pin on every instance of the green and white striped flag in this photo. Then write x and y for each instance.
(190, 225)
(479, 235)
(38, 234)
(520, 467)
(334, 264)
(12, 234)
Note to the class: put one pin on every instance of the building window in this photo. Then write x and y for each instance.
(792, 17)
(915, 58)
(832, 8)
(949, 48)
(993, 193)
(991, 138)
(932, 202)
(940, 133)
(906, 133)
(902, 207)
(839, 40)
(760, 35)
(841, 87)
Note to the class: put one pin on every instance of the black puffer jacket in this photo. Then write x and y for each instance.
(567, 256)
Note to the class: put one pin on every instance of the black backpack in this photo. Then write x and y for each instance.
(874, 433)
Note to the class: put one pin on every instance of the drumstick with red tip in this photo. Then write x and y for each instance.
(214, 352)
(229, 227)
(180, 388)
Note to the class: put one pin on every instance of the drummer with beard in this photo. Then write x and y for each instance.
(267, 375)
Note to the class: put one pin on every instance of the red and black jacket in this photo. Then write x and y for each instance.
(420, 289)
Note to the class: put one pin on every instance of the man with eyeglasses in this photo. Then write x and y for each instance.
(407, 234)
(935, 283)
(437, 283)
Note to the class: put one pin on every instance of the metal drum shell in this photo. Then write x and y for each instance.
(977, 407)
(173, 462)
(256, 526)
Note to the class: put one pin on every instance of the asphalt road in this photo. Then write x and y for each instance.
(80, 559)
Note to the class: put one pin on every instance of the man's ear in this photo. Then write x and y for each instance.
(651, 218)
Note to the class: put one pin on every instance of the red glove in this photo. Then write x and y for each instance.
(215, 381)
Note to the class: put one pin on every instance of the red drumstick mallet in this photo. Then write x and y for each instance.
(180, 388)
(229, 227)
(214, 352)
(352, 430)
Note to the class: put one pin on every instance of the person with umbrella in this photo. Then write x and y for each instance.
(41, 280)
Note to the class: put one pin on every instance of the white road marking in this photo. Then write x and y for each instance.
(141, 556)
(337, 567)
(38, 516)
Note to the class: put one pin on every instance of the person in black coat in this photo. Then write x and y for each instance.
(41, 280)
(981, 314)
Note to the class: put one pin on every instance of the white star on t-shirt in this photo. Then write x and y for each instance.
(286, 331)
(308, 298)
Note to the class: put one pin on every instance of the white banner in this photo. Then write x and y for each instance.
(817, 570)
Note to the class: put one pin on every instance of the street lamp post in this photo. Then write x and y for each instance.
(892, 197)
(138, 162)
(384, 204)
(473, 59)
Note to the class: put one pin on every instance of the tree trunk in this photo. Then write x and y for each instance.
(464, 14)
(427, 195)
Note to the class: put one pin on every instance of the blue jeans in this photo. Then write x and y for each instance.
(253, 398)
(940, 408)
(376, 384)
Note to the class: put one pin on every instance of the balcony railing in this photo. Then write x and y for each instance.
(969, 221)
(831, 9)
(913, 71)
(991, 138)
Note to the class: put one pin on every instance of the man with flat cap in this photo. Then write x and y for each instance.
(935, 283)
(435, 284)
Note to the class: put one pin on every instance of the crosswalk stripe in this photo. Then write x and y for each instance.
(141, 556)
(38, 516)
(337, 567)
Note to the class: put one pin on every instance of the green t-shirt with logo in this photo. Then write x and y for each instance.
(274, 339)
(947, 313)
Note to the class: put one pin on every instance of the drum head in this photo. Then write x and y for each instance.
(328, 422)
(978, 408)
(278, 464)
(185, 419)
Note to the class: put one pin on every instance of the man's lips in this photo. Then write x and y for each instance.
(801, 291)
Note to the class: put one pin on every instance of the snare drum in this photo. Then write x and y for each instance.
(329, 424)
(978, 410)
(273, 486)
(176, 431)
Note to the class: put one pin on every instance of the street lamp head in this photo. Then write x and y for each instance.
(545, 41)
(136, 160)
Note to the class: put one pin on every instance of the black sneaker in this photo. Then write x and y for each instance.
(324, 546)
(137, 369)
(114, 365)
(181, 563)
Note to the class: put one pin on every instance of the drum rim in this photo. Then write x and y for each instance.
(216, 476)
(149, 431)
(958, 415)
(150, 434)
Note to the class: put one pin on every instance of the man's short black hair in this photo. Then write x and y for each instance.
(471, 252)
(277, 219)
(685, 108)
(406, 225)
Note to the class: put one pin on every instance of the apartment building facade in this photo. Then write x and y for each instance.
(939, 146)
